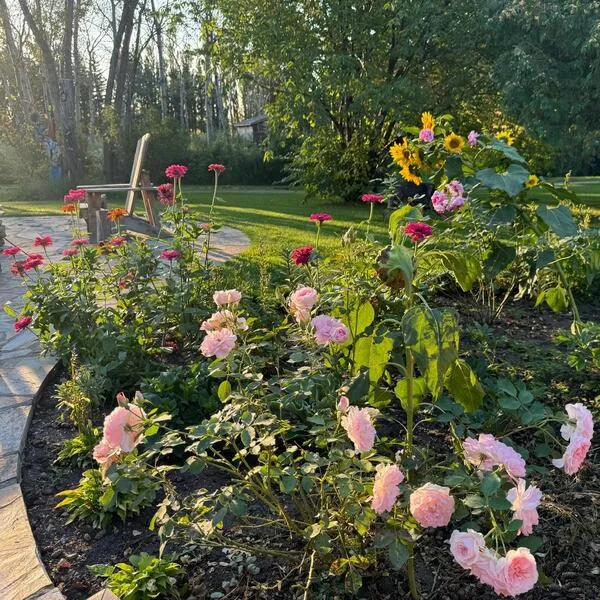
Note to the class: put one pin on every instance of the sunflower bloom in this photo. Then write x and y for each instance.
(505, 137)
(532, 181)
(427, 120)
(454, 143)
(401, 154)
(409, 175)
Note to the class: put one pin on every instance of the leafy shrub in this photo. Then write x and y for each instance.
(144, 577)
(78, 449)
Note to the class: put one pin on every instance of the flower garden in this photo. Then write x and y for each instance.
(348, 424)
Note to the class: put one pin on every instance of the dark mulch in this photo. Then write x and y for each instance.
(521, 344)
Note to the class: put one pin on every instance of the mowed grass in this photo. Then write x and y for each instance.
(276, 220)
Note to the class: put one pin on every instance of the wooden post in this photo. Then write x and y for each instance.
(94, 200)
(103, 225)
(150, 203)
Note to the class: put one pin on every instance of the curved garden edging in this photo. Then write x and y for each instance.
(23, 376)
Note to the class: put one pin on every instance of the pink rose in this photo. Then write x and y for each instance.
(358, 423)
(217, 321)
(580, 422)
(510, 459)
(103, 451)
(432, 505)
(301, 301)
(343, 403)
(329, 330)
(574, 455)
(123, 427)
(487, 452)
(520, 571)
(218, 343)
(231, 297)
(490, 570)
(385, 487)
(466, 547)
(524, 504)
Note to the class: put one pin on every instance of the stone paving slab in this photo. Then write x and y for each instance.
(23, 376)
(53, 594)
(13, 428)
(21, 570)
(7, 401)
(9, 469)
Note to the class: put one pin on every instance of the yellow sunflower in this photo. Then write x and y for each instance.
(401, 153)
(532, 181)
(454, 143)
(409, 175)
(505, 136)
(428, 120)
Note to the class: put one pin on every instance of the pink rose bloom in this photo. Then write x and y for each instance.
(524, 504)
(426, 135)
(519, 571)
(580, 422)
(432, 505)
(329, 330)
(574, 455)
(490, 570)
(358, 423)
(343, 403)
(510, 459)
(223, 297)
(218, 343)
(103, 451)
(301, 301)
(455, 203)
(472, 138)
(217, 321)
(466, 547)
(487, 452)
(122, 427)
(385, 488)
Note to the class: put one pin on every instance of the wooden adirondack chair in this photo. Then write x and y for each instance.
(95, 211)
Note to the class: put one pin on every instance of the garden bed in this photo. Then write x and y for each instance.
(570, 516)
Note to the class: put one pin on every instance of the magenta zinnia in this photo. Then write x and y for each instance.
(170, 254)
(165, 194)
(320, 217)
(23, 323)
(42, 241)
(372, 198)
(74, 196)
(216, 168)
(176, 171)
(11, 251)
(417, 230)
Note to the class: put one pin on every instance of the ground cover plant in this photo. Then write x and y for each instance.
(348, 421)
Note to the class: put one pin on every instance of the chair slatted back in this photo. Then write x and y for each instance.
(136, 170)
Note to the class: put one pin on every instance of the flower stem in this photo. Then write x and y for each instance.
(370, 217)
(410, 568)
(210, 218)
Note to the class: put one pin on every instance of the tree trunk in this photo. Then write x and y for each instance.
(162, 75)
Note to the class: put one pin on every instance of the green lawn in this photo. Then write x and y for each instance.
(275, 219)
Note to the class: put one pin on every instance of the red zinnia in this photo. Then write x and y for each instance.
(301, 256)
(17, 268)
(11, 251)
(33, 261)
(165, 194)
(118, 240)
(417, 230)
(170, 254)
(42, 241)
(216, 167)
(175, 171)
(70, 252)
(374, 198)
(320, 217)
(23, 323)
(79, 242)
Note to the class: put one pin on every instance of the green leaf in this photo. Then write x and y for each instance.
(556, 299)
(511, 181)
(373, 352)
(432, 336)
(499, 503)
(463, 385)
(359, 387)
(454, 167)
(490, 484)
(224, 390)
(400, 259)
(418, 391)
(466, 268)
(107, 497)
(514, 525)
(503, 215)
(509, 403)
(474, 501)
(287, 484)
(500, 257)
(533, 542)
(509, 151)
(559, 220)
(10, 311)
(359, 317)
(398, 554)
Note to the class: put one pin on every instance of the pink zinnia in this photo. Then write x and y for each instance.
(80, 242)
(176, 171)
(42, 241)
(166, 195)
(426, 135)
(358, 423)
(432, 505)
(385, 487)
(23, 323)
(417, 230)
(524, 504)
(11, 251)
(33, 261)
(301, 256)
(472, 138)
(74, 196)
(170, 254)
(320, 217)
(118, 240)
(329, 330)
(216, 168)
(218, 343)
(70, 252)
(373, 198)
